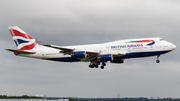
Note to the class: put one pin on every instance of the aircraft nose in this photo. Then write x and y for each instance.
(173, 46)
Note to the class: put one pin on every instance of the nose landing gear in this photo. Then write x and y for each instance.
(157, 61)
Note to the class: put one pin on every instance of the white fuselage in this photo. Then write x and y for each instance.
(131, 48)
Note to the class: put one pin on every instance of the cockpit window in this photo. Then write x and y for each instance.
(162, 39)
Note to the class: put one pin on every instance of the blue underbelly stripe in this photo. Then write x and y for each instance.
(142, 54)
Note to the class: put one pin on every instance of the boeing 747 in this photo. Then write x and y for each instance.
(96, 54)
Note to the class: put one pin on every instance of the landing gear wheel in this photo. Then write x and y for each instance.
(102, 67)
(157, 61)
(103, 64)
(96, 65)
(91, 65)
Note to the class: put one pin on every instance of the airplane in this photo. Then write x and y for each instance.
(96, 54)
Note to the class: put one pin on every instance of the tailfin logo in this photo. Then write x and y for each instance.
(152, 42)
(22, 40)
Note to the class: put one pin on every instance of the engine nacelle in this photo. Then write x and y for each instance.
(105, 57)
(117, 61)
(79, 54)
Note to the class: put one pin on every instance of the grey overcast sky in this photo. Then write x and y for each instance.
(73, 22)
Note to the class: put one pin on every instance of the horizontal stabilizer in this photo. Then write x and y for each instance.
(23, 52)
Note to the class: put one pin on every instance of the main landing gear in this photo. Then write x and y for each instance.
(96, 65)
(102, 66)
(157, 61)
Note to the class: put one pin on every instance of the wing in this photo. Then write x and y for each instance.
(70, 50)
(92, 54)
(63, 49)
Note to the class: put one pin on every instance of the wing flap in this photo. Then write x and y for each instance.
(89, 58)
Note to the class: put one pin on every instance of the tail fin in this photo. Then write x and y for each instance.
(22, 40)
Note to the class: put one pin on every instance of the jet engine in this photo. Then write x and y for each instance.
(79, 54)
(105, 57)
